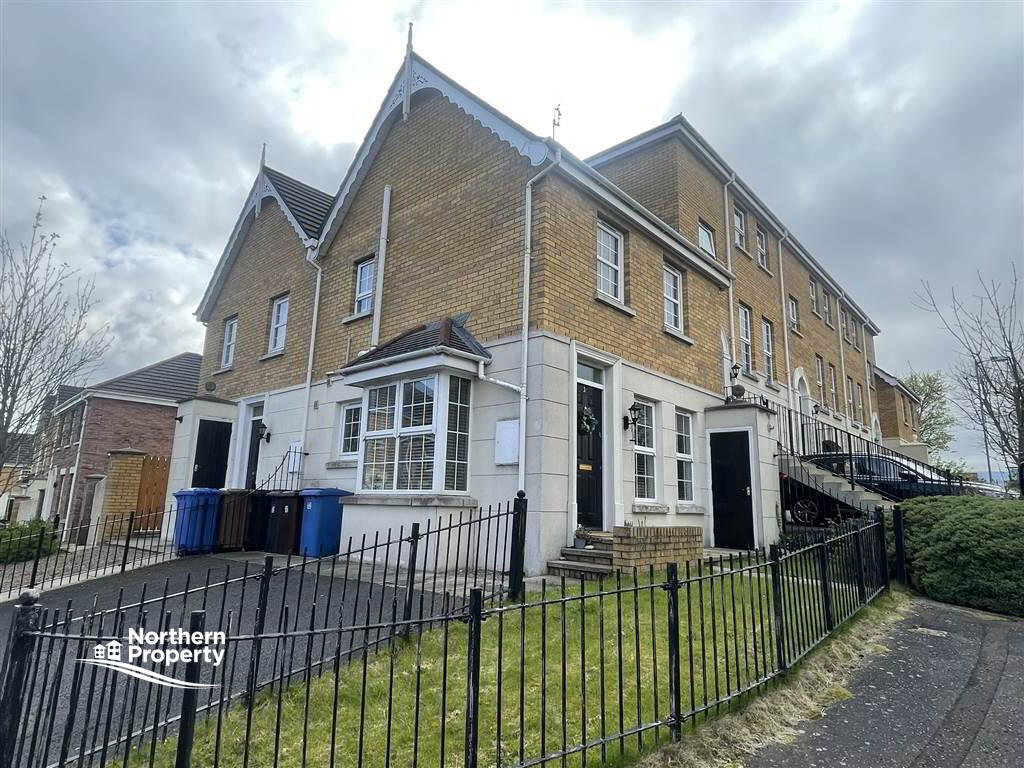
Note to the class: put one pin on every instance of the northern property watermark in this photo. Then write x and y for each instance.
(161, 649)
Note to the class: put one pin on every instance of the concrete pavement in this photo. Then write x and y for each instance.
(949, 693)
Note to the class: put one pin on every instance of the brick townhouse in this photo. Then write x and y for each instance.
(899, 413)
(476, 310)
(82, 425)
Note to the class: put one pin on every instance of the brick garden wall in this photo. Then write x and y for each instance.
(642, 546)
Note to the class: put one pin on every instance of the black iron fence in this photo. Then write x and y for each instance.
(288, 619)
(326, 665)
(858, 459)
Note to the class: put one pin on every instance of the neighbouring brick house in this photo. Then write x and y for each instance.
(77, 435)
(381, 330)
(899, 412)
(16, 477)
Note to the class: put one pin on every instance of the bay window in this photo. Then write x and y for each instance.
(401, 448)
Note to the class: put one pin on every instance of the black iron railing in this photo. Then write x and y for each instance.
(327, 668)
(289, 619)
(859, 460)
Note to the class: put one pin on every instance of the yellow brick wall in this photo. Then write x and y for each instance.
(455, 233)
(271, 262)
(565, 271)
(700, 196)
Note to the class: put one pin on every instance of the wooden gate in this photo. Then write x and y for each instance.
(152, 492)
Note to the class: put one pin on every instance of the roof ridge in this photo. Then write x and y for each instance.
(143, 369)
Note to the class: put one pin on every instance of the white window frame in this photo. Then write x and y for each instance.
(364, 295)
(849, 396)
(684, 457)
(646, 450)
(438, 428)
(278, 324)
(812, 285)
(703, 228)
(844, 323)
(617, 268)
(451, 431)
(828, 308)
(793, 310)
(739, 227)
(343, 422)
(228, 342)
(762, 248)
(856, 333)
(768, 340)
(673, 304)
(832, 383)
(819, 370)
(746, 340)
(860, 402)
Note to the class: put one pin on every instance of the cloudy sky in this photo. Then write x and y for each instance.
(888, 136)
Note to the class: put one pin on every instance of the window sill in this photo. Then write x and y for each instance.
(341, 463)
(751, 376)
(356, 316)
(679, 335)
(765, 269)
(688, 507)
(614, 303)
(649, 508)
(709, 254)
(392, 499)
(772, 386)
(742, 250)
(837, 416)
(272, 355)
(830, 325)
(817, 314)
(796, 331)
(225, 369)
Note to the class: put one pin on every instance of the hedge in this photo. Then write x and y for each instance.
(967, 550)
(19, 541)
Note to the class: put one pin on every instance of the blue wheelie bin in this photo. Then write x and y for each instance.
(195, 525)
(321, 521)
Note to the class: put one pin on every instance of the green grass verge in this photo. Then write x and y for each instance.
(599, 660)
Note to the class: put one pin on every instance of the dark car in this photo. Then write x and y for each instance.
(889, 476)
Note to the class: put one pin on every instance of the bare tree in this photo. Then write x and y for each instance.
(45, 334)
(988, 328)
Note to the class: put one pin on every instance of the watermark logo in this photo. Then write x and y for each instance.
(166, 648)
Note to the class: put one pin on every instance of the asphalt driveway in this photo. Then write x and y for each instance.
(949, 693)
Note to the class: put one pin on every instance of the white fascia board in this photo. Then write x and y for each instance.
(644, 219)
(694, 140)
(424, 361)
(112, 395)
(261, 188)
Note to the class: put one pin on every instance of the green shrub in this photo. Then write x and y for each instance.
(20, 541)
(967, 550)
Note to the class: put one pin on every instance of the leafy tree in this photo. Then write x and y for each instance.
(936, 420)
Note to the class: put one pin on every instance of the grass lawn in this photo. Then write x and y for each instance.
(591, 668)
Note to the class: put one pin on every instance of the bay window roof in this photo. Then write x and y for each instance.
(448, 337)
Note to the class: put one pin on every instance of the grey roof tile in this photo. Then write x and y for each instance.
(172, 379)
(450, 332)
(308, 205)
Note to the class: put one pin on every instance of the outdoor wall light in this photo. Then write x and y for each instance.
(734, 372)
(263, 433)
(630, 420)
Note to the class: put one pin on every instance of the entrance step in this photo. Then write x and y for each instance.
(595, 555)
(602, 540)
(576, 570)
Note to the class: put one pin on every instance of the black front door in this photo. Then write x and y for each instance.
(253, 461)
(731, 490)
(212, 443)
(589, 477)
